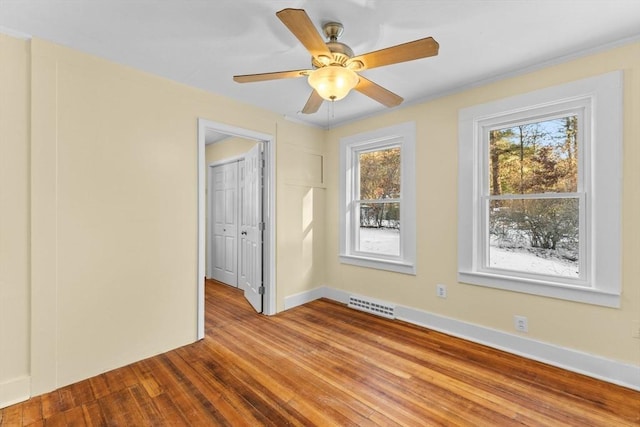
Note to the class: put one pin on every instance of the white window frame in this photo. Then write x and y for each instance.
(598, 103)
(403, 136)
(580, 108)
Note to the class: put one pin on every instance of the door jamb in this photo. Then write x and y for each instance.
(269, 198)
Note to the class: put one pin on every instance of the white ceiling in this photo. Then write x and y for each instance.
(204, 43)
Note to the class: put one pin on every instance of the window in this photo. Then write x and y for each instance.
(533, 198)
(540, 192)
(377, 200)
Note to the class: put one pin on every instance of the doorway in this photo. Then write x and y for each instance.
(267, 193)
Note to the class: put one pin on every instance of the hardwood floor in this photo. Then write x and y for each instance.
(325, 364)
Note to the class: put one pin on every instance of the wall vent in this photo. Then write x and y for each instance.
(371, 306)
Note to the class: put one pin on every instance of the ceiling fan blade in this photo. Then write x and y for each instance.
(248, 78)
(400, 53)
(299, 23)
(380, 94)
(313, 103)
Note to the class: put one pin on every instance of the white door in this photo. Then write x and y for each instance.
(251, 226)
(224, 206)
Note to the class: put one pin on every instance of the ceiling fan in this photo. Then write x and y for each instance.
(335, 69)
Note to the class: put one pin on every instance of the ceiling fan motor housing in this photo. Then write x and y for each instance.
(341, 52)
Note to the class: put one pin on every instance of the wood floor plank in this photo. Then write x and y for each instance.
(59, 419)
(188, 399)
(12, 416)
(66, 399)
(74, 417)
(270, 387)
(327, 365)
(93, 414)
(144, 374)
(171, 415)
(304, 358)
(148, 410)
(230, 407)
(365, 372)
(295, 359)
(120, 409)
(32, 411)
(99, 386)
(258, 395)
(480, 378)
(51, 404)
(164, 386)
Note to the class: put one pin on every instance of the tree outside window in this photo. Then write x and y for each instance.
(539, 191)
(533, 197)
(377, 199)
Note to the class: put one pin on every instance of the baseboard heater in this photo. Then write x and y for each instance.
(372, 306)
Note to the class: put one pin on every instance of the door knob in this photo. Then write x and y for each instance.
(244, 233)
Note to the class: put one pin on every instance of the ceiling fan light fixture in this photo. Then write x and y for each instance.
(333, 82)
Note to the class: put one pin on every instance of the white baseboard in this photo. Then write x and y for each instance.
(15, 391)
(612, 371)
(303, 297)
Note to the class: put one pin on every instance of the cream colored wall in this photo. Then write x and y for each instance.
(230, 147)
(114, 209)
(300, 209)
(596, 330)
(14, 219)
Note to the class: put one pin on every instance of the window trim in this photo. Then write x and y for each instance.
(402, 135)
(582, 109)
(601, 98)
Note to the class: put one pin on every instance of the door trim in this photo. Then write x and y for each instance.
(269, 199)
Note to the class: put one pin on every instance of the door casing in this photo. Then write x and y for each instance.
(269, 199)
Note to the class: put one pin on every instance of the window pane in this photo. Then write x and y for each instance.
(539, 157)
(379, 231)
(535, 236)
(380, 174)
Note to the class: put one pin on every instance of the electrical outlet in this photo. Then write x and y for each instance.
(635, 331)
(521, 323)
(441, 290)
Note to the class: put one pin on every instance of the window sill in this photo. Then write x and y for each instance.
(380, 264)
(541, 288)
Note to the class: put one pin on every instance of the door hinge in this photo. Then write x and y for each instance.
(261, 226)
(261, 290)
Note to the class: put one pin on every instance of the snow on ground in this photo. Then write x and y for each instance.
(380, 240)
(387, 241)
(523, 260)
